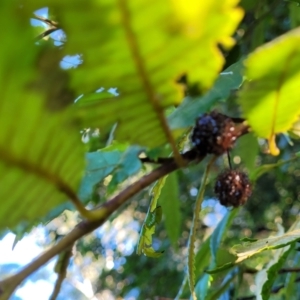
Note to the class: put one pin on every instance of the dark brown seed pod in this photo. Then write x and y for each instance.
(214, 133)
(233, 188)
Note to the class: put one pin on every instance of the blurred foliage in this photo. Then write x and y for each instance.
(143, 71)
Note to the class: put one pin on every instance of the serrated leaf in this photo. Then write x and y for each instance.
(184, 116)
(203, 256)
(142, 47)
(247, 250)
(270, 99)
(41, 156)
(153, 217)
(265, 278)
(169, 200)
(193, 231)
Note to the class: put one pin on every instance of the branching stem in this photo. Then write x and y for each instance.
(8, 285)
(99, 216)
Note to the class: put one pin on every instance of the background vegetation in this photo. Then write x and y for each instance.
(94, 92)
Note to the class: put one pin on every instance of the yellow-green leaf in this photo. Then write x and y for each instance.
(270, 99)
(41, 156)
(142, 47)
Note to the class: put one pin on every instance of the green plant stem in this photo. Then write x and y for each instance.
(192, 237)
(8, 285)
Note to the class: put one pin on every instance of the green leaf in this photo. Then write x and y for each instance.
(193, 232)
(129, 165)
(153, 217)
(121, 164)
(221, 268)
(267, 276)
(268, 167)
(218, 233)
(99, 165)
(269, 99)
(41, 155)
(290, 282)
(247, 150)
(184, 116)
(203, 256)
(169, 200)
(215, 240)
(216, 293)
(249, 249)
(142, 47)
(202, 287)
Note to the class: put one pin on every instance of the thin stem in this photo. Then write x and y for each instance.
(53, 26)
(192, 237)
(229, 160)
(46, 33)
(47, 21)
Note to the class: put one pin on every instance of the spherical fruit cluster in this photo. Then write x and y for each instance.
(233, 188)
(213, 133)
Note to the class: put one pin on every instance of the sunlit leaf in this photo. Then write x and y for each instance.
(41, 156)
(142, 47)
(249, 249)
(275, 242)
(246, 151)
(270, 99)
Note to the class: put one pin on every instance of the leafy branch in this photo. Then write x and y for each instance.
(103, 212)
(8, 285)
